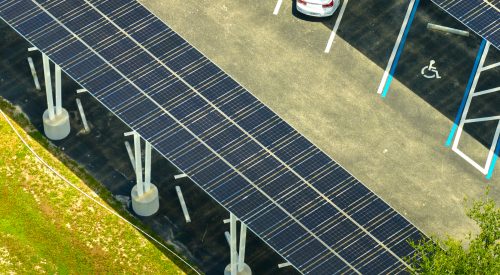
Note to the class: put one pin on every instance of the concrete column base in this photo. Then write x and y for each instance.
(246, 270)
(147, 204)
(57, 128)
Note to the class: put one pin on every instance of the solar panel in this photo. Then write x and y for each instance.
(481, 16)
(291, 194)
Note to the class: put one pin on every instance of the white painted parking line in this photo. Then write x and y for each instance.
(395, 49)
(335, 28)
(491, 158)
(490, 66)
(277, 8)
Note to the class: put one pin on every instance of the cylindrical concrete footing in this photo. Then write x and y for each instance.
(57, 128)
(246, 270)
(147, 204)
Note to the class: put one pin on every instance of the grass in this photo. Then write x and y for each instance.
(46, 226)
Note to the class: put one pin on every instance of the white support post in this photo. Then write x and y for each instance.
(56, 124)
(138, 164)
(48, 87)
(232, 245)
(241, 251)
(147, 167)
(58, 90)
(145, 200)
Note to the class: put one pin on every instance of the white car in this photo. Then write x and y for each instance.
(318, 8)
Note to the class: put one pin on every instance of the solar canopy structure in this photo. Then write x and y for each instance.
(292, 195)
(481, 16)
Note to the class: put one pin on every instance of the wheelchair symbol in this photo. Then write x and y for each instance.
(430, 71)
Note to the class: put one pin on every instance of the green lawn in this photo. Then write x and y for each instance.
(47, 226)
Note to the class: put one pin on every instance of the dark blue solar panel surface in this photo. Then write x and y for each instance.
(296, 198)
(481, 16)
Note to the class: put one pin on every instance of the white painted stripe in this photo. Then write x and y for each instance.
(481, 119)
(395, 49)
(487, 91)
(463, 120)
(277, 8)
(335, 28)
(491, 66)
(492, 149)
(469, 160)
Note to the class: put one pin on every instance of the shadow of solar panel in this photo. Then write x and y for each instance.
(292, 195)
(481, 16)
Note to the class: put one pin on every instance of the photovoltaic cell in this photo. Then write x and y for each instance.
(481, 16)
(291, 194)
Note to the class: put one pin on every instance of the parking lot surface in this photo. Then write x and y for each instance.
(395, 145)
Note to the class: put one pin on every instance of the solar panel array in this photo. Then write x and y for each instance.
(481, 16)
(292, 195)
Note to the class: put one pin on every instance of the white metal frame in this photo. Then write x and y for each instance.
(237, 255)
(463, 119)
(143, 186)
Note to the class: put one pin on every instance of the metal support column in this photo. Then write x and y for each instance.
(241, 251)
(145, 200)
(48, 87)
(147, 167)
(138, 164)
(58, 89)
(232, 245)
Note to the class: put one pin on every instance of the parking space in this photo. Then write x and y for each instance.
(454, 57)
